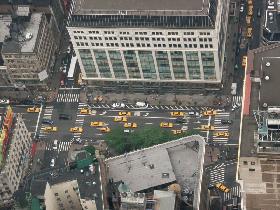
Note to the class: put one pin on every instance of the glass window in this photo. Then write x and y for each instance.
(117, 64)
(178, 64)
(208, 64)
(102, 62)
(147, 64)
(193, 64)
(88, 63)
(132, 64)
(163, 65)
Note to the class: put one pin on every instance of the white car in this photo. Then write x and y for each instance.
(242, 8)
(52, 162)
(55, 143)
(141, 104)
(118, 105)
(4, 101)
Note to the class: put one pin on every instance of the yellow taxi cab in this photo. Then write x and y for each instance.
(248, 20)
(130, 125)
(250, 2)
(120, 119)
(177, 114)
(244, 61)
(176, 132)
(221, 134)
(50, 129)
(166, 125)
(97, 124)
(209, 113)
(105, 129)
(76, 130)
(249, 32)
(33, 109)
(124, 113)
(250, 10)
(207, 127)
(85, 111)
(222, 187)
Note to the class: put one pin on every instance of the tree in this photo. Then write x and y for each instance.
(122, 142)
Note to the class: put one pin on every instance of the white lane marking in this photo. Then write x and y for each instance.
(149, 123)
(41, 108)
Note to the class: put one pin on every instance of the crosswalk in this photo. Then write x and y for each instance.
(153, 107)
(67, 97)
(62, 146)
(234, 192)
(217, 174)
(221, 127)
(48, 111)
(236, 101)
(80, 119)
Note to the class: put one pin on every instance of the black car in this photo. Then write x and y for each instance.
(180, 120)
(28, 102)
(64, 117)
(227, 122)
(47, 121)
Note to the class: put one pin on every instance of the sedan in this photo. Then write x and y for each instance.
(130, 125)
(124, 113)
(177, 114)
(166, 125)
(105, 129)
(176, 132)
(222, 187)
(209, 113)
(97, 124)
(207, 127)
(52, 162)
(33, 109)
(4, 101)
(118, 105)
(50, 129)
(76, 130)
(120, 119)
(221, 134)
(242, 8)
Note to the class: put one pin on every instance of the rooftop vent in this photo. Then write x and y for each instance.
(264, 104)
(267, 64)
(28, 36)
(266, 78)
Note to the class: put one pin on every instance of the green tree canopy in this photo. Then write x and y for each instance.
(122, 142)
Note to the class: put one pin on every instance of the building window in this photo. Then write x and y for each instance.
(208, 64)
(147, 64)
(102, 62)
(132, 64)
(163, 65)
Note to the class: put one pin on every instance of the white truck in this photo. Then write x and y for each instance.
(233, 88)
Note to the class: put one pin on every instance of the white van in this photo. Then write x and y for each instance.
(141, 104)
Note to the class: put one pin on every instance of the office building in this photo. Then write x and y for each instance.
(15, 145)
(259, 161)
(28, 51)
(150, 45)
(66, 195)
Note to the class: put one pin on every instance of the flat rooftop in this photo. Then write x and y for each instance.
(179, 161)
(18, 42)
(193, 5)
(262, 65)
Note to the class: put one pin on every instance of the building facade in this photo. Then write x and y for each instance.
(66, 195)
(28, 52)
(145, 47)
(15, 143)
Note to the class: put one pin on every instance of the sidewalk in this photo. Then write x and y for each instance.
(154, 99)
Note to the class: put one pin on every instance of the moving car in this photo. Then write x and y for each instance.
(249, 32)
(64, 117)
(76, 130)
(130, 125)
(176, 132)
(228, 122)
(244, 61)
(33, 109)
(242, 8)
(250, 10)
(209, 113)
(52, 162)
(105, 129)
(221, 134)
(4, 101)
(181, 120)
(85, 111)
(141, 104)
(50, 129)
(259, 13)
(120, 119)
(118, 105)
(55, 144)
(97, 124)
(177, 114)
(222, 187)
(124, 113)
(166, 125)
(207, 127)
(47, 121)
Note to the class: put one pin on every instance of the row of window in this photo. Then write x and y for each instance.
(153, 33)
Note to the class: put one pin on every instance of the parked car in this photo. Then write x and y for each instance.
(118, 105)
(64, 117)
